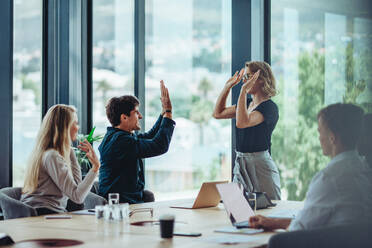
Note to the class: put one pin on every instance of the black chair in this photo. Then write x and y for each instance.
(11, 206)
(347, 236)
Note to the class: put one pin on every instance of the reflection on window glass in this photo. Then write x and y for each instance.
(113, 55)
(26, 82)
(321, 54)
(188, 45)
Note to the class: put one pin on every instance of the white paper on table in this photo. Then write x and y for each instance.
(234, 230)
(284, 213)
(234, 201)
(231, 239)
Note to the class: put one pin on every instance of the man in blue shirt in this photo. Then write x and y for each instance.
(340, 193)
(122, 150)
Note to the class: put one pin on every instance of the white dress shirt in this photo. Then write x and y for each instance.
(340, 193)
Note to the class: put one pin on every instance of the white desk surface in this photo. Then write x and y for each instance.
(100, 233)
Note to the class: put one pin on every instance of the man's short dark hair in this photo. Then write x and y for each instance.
(345, 121)
(118, 106)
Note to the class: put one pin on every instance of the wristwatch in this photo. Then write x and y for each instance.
(166, 111)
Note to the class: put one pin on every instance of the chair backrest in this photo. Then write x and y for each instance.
(347, 236)
(13, 192)
(93, 200)
(90, 202)
(11, 206)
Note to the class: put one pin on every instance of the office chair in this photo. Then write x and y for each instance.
(11, 206)
(347, 236)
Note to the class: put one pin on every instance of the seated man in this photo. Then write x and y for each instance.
(341, 192)
(122, 150)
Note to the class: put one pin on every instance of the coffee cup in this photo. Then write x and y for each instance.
(166, 225)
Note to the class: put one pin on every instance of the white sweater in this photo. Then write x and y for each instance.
(57, 185)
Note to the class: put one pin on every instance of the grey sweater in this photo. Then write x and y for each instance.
(57, 184)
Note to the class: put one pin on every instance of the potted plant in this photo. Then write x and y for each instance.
(80, 155)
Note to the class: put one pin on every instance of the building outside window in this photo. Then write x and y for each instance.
(113, 55)
(321, 54)
(27, 54)
(191, 51)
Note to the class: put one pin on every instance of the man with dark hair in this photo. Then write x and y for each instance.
(341, 192)
(122, 150)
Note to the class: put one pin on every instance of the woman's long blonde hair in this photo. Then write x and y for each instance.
(267, 76)
(54, 134)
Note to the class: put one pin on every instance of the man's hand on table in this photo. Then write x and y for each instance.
(267, 223)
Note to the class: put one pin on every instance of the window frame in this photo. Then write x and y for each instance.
(56, 20)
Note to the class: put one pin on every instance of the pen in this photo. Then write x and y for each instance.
(91, 210)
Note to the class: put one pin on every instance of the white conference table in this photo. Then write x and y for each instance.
(101, 233)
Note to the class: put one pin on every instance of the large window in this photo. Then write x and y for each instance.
(321, 54)
(26, 82)
(188, 45)
(113, 55)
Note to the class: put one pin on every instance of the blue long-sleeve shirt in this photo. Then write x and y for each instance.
(121, 152)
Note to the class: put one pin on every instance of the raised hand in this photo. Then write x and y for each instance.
(164, 98)
(91, 155)
(234, 80)
(248, 84)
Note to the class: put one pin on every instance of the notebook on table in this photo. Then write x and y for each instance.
(208, 196)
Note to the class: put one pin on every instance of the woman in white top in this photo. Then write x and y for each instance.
(53, 175)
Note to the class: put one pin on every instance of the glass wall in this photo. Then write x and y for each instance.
(321, 54)
(188, 45)
(113, 55)
(26, 82)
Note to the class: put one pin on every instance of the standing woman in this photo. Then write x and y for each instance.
(53, 174)
(256, 119)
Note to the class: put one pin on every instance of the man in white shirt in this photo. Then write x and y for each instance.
(341, 193)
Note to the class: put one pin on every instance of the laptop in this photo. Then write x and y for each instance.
(208, 196)
(237, 207)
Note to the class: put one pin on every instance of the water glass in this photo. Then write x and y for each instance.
(99, 210)
(113, 198)
(109, 212)
(252, 200)
(122, 212)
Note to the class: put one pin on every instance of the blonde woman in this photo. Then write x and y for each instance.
(256, 118)
(53, 175)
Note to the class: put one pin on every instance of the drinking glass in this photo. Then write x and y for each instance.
(113, 198)
(166, 226)
(99, 210)
(109, 212)
(123, 212)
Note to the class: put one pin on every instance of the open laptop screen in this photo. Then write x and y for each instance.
(236, 205)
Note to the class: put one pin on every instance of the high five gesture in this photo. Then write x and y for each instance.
(165, 101)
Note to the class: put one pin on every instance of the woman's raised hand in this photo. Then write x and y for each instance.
(250, 82)
(234, 80)
(89, 151)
